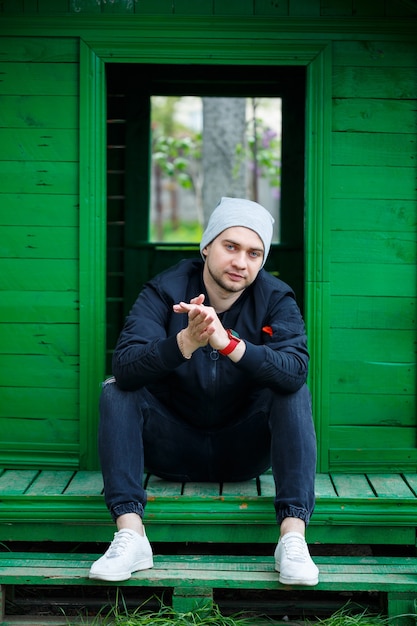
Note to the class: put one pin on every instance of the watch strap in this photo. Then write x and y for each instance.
(233, 341)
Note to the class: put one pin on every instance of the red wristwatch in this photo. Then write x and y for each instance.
(234, 340)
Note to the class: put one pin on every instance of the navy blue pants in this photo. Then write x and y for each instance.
(276, 430)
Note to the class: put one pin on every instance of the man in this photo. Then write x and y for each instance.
(209, 385)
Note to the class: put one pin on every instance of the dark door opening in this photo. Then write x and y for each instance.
(132, 258)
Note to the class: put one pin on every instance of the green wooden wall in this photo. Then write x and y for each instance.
(360, 217)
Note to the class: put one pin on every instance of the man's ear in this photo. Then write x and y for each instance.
(204, 251)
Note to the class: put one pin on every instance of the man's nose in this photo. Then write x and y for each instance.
(240, 259)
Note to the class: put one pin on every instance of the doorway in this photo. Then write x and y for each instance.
(132, 256)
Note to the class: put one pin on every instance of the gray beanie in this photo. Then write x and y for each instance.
(232, 212)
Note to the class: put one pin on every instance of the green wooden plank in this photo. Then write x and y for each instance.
(383, 215)
(47, 7)
(43, 242)
(334, 574)
(411, 481)
(43, 339)
(157, 487)
(353, 181)
(391, 149)
(374, 82)
(352, 486)
(38, 430)
(394, 8)
(32, 144)
(345, 459)
(55, 79)
(391, 486)
(246, 488)
(302, 8)
(366, 377)
(374, 53)
(39, 210)
(32, 454)
(371, 115)
(85, 483)
(336, 7)
(39, 112)
(232, 7)
(22, 402)
(194, 489)
(264, 7)
(49, 483)
(361, 312)
(37, 49)
(148, 7)
(380, 346)
(267, 485)
(39, 275)
(374, 378)
(358, 534)
(92, 269)
(374, 410)
(39, 177)
(14, 482)
(39, 306)
(382, 437)
(373, 279)
(324, 487)
(373, 247)
(56, 371)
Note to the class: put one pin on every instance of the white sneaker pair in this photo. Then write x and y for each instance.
(127, 553)
(130, 552)
(293, 561)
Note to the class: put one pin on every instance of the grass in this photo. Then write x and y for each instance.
(165, 616)
(349, 615)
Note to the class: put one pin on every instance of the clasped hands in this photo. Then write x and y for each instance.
(204, 326)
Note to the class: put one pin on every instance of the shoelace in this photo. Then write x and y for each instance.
(295, 548)
(119, 544)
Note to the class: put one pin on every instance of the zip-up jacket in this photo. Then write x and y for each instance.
(209, 389)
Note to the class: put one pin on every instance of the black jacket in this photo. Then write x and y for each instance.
(209, 388)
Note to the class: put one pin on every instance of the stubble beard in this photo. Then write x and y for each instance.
(229, 288)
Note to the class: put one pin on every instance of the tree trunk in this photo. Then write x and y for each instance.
(223, 130)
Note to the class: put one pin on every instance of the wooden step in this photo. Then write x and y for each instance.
(66, 505)
(193, 577)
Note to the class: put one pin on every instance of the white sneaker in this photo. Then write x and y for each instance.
(127, 553)
(293, 561)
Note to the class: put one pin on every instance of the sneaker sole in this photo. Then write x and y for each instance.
(298, 581)
(138, 566)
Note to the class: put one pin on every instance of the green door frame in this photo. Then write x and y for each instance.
(169, 47)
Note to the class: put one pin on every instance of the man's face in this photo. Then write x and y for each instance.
(233, 259)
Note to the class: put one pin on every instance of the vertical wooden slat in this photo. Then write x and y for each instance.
(318, 125)
(92, 249)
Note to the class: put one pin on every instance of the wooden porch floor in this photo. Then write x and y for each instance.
(66, 505)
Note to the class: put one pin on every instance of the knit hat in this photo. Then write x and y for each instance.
(232, 212)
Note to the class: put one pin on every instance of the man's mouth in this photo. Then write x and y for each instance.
(235, 277)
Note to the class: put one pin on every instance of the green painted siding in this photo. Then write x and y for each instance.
(373, 255)
(277, 8)
(361, 218)
(39, 361)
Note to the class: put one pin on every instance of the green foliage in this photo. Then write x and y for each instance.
(348, 615)
(352, 615)
(185, 232)
(166, 616)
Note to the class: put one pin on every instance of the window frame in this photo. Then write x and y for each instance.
(316, 57)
